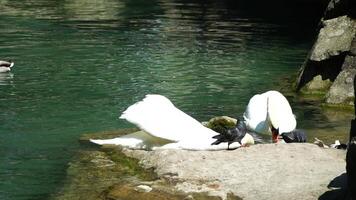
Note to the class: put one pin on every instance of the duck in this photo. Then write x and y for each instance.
(270, 113)
(157, 116)
(5, 66)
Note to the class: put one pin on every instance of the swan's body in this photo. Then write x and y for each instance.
(5, 66)
(156, 115)
(269, 111)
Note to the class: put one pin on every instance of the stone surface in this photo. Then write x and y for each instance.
(265, 171)
(317, 85)
(221, 123)
(334, 38)
(342, 90)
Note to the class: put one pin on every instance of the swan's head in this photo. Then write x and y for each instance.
(275, 134)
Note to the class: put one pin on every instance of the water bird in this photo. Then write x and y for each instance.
(158, 116)
(270, 113)
(236, 134)
(338, 145)
(5, 66)
(295, 136)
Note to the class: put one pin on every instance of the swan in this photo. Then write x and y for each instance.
(157, 116)
(5, 66)
(270, 113)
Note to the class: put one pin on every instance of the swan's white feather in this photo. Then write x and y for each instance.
(157, 115)
(269, 108)
(280, 113)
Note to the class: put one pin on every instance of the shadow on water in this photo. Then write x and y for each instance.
(338, 189)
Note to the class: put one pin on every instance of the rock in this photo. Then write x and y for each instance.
(353, 48)
(317, 85)
(221, 123)
(143, 188)
(330, 67)
(334, 38)
(342, 90)
(264, 171)
(336, 8)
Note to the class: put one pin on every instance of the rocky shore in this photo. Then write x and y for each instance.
(330, 67)
(263, 171)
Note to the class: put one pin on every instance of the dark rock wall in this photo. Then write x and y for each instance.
(351, 156)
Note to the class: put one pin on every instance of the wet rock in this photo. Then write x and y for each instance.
(266, 171)
(317, 85)
(334, 38)
(221, 123)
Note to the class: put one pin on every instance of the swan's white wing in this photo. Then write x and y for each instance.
(280, 113)
(157, 115)
(255, 115)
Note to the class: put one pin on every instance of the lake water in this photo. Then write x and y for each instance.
(80, 63)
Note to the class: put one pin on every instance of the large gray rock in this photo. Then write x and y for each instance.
(334, 38)
(268, 171)
(342, 89)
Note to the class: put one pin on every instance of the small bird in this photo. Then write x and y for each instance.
(5, 66)
(295, 136)
(232, 135)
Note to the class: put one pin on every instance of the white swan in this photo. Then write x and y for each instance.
(156, 115)
(269, 113)
(5, 66)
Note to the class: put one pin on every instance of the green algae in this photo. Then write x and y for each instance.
(130, 166)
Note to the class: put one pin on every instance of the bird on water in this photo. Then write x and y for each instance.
(5, 66)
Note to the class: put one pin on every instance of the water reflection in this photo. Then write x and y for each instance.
(92, 10)
(6, 78)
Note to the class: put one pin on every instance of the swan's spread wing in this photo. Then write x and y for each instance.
(280, 113)
(159, 117)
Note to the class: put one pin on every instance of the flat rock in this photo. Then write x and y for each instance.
(264, 171)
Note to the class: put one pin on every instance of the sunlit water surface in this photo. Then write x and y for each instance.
(79, 64)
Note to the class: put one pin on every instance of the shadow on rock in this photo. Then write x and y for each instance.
(338, 189)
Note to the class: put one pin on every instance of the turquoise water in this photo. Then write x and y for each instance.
(79, 64)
